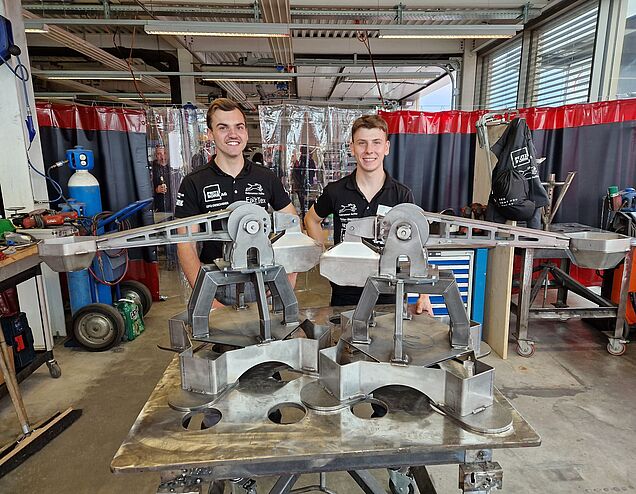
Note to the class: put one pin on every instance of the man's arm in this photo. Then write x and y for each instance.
(190, 263)
(188, 258)
(289, 209)
(313, 225)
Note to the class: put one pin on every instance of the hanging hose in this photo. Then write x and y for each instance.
(123, 225)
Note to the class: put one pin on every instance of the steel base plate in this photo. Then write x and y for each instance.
(246, 443)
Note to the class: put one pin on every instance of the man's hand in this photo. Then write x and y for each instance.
(161, 189)
(423, 305)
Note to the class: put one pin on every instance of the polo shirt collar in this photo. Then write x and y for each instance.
(247, 168)
(351, 184)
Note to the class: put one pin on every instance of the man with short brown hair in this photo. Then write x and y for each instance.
(227, 178)
(368, 191)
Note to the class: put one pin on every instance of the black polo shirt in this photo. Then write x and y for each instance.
(209, 189)
(345, 201)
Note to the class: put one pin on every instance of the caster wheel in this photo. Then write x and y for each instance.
(138, 293)
(98, 327)
(526, 349)
(54, 369)
(616, 349)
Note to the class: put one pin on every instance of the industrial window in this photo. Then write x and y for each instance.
(500, 77)
(627, 73)
(561, 59)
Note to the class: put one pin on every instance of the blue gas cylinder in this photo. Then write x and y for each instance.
(83, 187)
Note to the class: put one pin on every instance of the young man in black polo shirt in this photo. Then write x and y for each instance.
(368, 191)
(227, 178)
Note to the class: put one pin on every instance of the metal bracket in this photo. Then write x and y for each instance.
(481, 477)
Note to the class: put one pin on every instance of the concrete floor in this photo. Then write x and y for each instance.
(580, 399)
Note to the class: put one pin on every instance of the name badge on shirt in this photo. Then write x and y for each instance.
(383, 210)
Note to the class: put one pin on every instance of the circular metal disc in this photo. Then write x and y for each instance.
(187, 401)
(492, 420)
(484, 350)
(316, 397)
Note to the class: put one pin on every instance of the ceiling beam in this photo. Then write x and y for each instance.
(277, 11)
(66, 38)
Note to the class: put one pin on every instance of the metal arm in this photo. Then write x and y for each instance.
(243, 225)
(407, 231)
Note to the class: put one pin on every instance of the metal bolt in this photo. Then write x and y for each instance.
(403, 232)
(252, 227)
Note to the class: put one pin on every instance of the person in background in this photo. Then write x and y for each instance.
(368, 191)
(161, 180)
(228, 177)
(257, 158)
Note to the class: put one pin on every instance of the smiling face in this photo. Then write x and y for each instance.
(369, 147)
(229, 133)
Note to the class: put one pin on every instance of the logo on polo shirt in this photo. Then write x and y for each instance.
(212, 193)
(348, 209)
(255, 189)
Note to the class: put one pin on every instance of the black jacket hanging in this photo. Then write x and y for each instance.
(516, 187)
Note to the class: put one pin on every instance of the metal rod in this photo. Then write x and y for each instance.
(263, 311)
(367, 482)
(398, 336)
(525, 288)
(284, 484)
(619, 329)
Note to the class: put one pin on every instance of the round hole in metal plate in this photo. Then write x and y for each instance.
(201, 419)
(369, 409)
(287, 413)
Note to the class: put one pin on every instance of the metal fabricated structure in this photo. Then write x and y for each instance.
(374, 352)
(241, 406)
(249, 256)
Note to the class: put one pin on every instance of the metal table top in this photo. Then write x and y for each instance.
(246, 443)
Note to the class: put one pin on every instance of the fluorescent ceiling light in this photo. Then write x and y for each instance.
(37, 28)
(247, 79)
(391, 77)
(445, 36)
(91, 77)
(220, 29)
(382, 80)
(449, 32)
(147, 98)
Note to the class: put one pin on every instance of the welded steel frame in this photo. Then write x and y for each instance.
(528, 291)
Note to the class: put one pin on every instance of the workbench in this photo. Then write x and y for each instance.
(18, 268)
(560, 310)
(246, 443)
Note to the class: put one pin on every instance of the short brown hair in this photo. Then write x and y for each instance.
(370, 122)
(223, 104)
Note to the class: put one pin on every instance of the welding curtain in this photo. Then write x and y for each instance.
(434, 153)
(117, 138)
